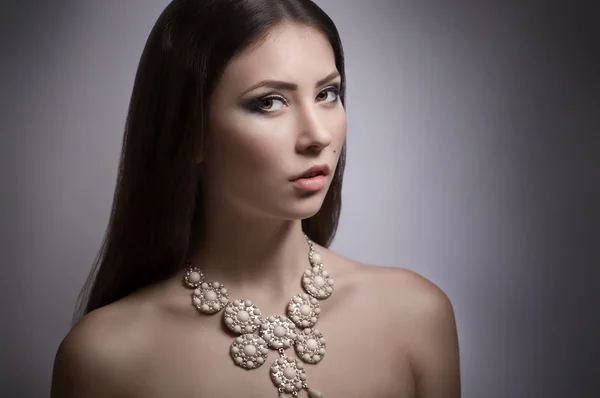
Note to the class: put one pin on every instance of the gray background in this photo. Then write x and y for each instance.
(473, 134)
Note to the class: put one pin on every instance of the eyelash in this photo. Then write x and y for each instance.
(255, 104)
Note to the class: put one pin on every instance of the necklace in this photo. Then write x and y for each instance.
(258, 334)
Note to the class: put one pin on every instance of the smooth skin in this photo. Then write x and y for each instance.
(390, 332)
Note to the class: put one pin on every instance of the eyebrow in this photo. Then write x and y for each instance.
(279, 85)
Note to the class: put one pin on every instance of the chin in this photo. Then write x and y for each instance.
(295, 208)
(286, 205)
(301, 208)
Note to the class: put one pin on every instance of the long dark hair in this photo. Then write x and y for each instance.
(156, 212)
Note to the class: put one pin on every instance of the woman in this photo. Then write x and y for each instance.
(229, 194)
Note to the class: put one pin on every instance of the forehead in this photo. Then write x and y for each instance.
(291, 52)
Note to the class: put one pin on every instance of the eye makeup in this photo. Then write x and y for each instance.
(266, 103)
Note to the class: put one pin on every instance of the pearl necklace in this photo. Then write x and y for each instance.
(257, 334)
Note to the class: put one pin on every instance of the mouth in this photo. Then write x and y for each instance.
(313, 179)
(320, 170)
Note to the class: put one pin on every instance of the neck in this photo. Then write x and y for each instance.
(250, 255)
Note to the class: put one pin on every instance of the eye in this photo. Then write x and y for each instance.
(330, 94)
(269, 103)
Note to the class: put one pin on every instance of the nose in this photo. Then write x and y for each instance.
(314, 136)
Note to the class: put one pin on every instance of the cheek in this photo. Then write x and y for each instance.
(248, 145)
(338, 130)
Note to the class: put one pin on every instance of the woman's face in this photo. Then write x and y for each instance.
(263, 135)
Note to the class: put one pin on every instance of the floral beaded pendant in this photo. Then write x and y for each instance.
(257, 335)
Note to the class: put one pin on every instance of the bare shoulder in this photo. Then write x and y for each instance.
(414, 294)
(100, 354)
(424, 317)
(417, 303)
(406, 290)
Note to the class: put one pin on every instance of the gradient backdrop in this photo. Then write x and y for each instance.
(473, 139)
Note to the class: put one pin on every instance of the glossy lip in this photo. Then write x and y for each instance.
(322, 169)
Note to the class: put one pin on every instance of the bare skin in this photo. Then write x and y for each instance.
(390, 332)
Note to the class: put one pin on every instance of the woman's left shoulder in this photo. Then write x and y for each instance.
(400, 290)
(407, 291)
(405, 286)
(420, 315)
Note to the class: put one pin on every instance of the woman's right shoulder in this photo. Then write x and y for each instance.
(99, 357)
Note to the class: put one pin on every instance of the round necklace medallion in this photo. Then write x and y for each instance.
(210, 298)
(315, 258)
(288, 374)
(303, 310)
(310, 345)
(242, 316)
(193, 277)
(317, 282)
(278, 331)
(249, 351)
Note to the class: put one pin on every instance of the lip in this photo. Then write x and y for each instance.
(319, 170)
(313, 179)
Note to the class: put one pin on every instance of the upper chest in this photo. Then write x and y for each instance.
(362, 359)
